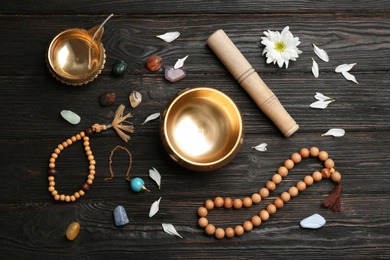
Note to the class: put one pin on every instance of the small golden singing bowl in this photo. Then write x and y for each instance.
(201, 129)
(69, 57)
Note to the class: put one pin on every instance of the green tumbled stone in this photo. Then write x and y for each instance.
(120, 68)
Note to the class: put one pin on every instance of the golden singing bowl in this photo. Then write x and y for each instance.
(70, 58)
(201, 129)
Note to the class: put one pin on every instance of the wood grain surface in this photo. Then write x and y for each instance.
(33, 224)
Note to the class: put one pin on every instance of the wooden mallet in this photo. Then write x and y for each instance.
(248, 78)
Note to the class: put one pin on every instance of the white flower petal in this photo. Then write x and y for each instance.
(179, 63)
(344, 67)
(336, 132)
(154, 208)
(170, 229)
(321, 53)
(169, 36)
(349, 76)
(315, 69)
(321, 104)
(261, 147)
(151, 117)
(320, 96)
(155, 175)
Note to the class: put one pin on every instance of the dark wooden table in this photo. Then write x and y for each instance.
(33, 224)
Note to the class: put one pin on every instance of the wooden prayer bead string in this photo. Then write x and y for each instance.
(120, 128)
(332, 202)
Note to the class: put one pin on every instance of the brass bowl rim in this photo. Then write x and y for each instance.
(190, 164)
(74, 81)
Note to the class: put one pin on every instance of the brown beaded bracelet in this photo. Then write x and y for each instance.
(332, 202)
(117, 124)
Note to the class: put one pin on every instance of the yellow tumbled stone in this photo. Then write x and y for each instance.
(72, 230)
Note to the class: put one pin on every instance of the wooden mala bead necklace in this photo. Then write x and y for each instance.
(332, 202)
(117, 124)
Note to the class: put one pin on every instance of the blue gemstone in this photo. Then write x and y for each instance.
(120, 216)
(136, 184)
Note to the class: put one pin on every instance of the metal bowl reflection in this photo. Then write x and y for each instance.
(202, 129)
(69, 59)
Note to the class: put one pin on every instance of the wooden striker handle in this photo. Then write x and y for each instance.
(247, 77)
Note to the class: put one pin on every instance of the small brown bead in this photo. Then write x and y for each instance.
(76, 195)
(271, 209)
(61, 147)
(289, 164)
(52, 165)
(325, 173)
(209, 204)
(247, 202)
(78, 137)
(54, 155)
(304, 152)
(229, 232)
(52, 172)
(203, 222)
(329, 163)
(73, 138)
(276, 178)
(296, 158)
(52, 160)
(72, 198)
(264, 193)
(91, 176)
(91, 157)
(336, 176)
(92, 162)
(237, 203)
(228, 203)
(65, 144)
(283, 171)
(57, 151)
(62, 197)
(218, 202)
(50, 178)
(86, 143)
(264, 215)
(239, 230)
(256, 198)
(52, 183)
(323, 155)
(308, 180)
(57, 197)
(270, 185)
(54, 192)
(91, 167)
(89, 181)
(88, 131)
(85, 187)
(301, 186)
(317, 176)
(256, 221)
(67, 198)
(210, 229)
(314, 151)
(87, 148)
(248, 226)
(88, 153)
(69, 142)
(219, 233)
(278, 202)
(92, 172)
(285, 196)
(82, 134)
(293, 191)
(81, 192)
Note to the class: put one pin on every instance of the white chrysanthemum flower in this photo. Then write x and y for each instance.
(281, 47)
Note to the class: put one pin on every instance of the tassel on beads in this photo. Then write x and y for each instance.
(333, 201)
(117, 123)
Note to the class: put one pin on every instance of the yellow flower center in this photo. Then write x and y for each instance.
(280, 46)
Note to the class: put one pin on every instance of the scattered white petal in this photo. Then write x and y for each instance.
(349, 76)
(321, 53)
(154, 208)
(170, 229)
(321, 104)
(151, 117)
(336, 132)
(320, 96)
(169, 36)
(261, 147)
(155, 175)
(344, 67)
(179, 63)
(315, 69)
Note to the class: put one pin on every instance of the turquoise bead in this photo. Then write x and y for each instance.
(137, 184)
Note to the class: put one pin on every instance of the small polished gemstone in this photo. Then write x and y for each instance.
(70, 116)
(72, 230)
(174, 75)
(137, 184)
(120, 216)
(313, 222)
(120, 68)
